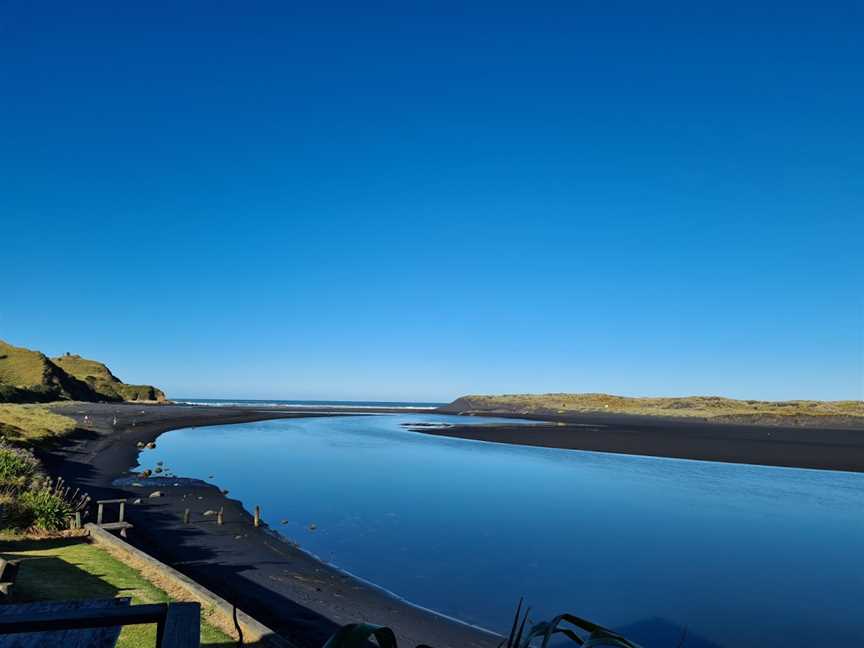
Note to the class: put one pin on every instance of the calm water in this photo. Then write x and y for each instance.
(741, 555)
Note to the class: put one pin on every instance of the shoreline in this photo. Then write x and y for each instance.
(287, 588)
(835, 445)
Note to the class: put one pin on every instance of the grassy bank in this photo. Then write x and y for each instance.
(706, 407)
(32, 424)
(29, 499)
(64, 569)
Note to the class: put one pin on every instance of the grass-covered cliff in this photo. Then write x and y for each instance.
(27, 376)
(704, 407)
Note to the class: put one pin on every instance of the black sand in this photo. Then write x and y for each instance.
(835, 445)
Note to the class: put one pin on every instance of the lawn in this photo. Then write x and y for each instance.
(72, 568)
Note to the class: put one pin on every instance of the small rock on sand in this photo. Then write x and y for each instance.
(150, 445)
(209, 513)
(145, 474)
(137, 500)
(140, 444)
(157, 494)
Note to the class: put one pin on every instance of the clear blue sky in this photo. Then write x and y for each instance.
(420, 200)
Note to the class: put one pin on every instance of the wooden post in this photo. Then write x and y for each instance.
(77, 519)
(220, 517)
(122, 511)
(99, 513)
(257, 516)
(186, 516)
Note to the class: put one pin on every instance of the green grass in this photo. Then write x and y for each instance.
(31, 424)
(72, 568)
(690, 406)
(27, 376)
(19, 366)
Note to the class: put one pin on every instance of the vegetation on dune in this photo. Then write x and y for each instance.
(27, 424)
(65, 569)
(691, 406)
(28, 376)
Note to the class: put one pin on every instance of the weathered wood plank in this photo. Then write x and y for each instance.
(16, 631)
(182, 627)
(113, 526)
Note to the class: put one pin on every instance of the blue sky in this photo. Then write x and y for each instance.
(420, 200)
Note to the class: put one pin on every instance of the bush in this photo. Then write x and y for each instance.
(17, 467)
(43, 509)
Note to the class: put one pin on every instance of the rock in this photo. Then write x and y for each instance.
(151, 445)
(313, 526)
(157, 494)
(144, 474)
(158, 469)
(140, 444)
(137, 500)
(160, 463)
(225, 491)
(284, 522)
(137, 484)
(209, 513)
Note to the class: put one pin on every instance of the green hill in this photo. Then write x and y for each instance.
(100, 379)
(28, 376)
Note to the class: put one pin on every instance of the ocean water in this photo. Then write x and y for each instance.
(314, 404)
(739, 556)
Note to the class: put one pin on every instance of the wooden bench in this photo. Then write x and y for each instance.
(121, 524)
(97, 623)
(8, 573)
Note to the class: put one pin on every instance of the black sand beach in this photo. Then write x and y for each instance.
(306, 600)
(832, 444)
(285, 588)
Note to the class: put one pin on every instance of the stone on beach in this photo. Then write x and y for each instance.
(151, 445)
(208, 513)
(157, 494)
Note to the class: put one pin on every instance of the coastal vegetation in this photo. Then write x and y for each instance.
(704, 407)
(30, 500)
(32, 424)
(28, 376)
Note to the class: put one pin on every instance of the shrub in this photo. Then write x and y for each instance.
(45, 509)
(17, 467)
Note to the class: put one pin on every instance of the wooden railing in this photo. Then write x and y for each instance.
(177, 624)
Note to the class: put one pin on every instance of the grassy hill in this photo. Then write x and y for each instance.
(27, 376)
(100, 379)
(704, 407)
